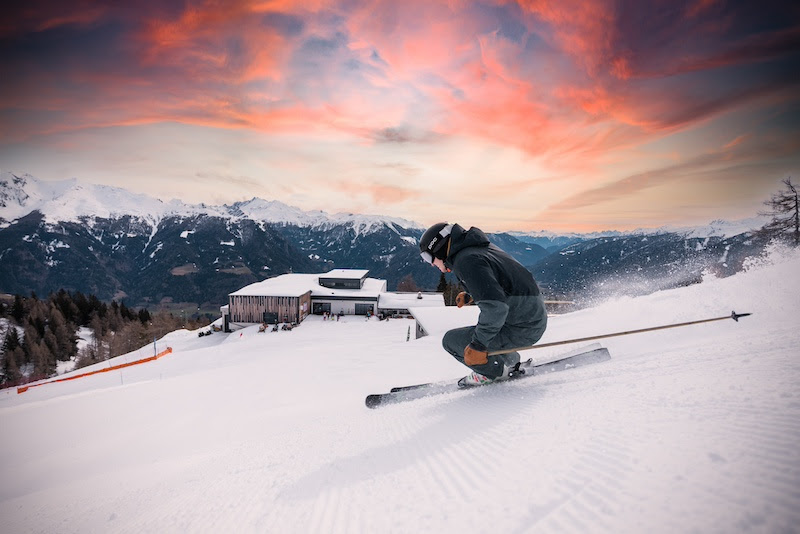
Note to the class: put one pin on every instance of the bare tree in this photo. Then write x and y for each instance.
(407, 284)
(785, 212)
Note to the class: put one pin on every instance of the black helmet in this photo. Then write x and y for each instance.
(433, 243)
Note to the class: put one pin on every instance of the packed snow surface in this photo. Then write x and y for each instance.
(693, 429)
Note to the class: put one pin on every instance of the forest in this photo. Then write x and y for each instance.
(38, 333)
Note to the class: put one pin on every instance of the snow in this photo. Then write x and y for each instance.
(685, 430)
(716, 228)
(297, 284)
(349, 274)
(407, 301)
(438, 321)
(73, 200)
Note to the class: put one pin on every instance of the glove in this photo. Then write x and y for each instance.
(463, 299)
(475, 357)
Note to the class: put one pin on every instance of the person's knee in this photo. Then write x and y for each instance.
(447, 340)
(455, 340)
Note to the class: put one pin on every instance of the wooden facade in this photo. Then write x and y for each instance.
(269, 309)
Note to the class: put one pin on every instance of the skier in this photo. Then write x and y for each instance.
(512, 311)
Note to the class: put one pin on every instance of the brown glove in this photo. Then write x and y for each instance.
(475, 357)
(463, 299)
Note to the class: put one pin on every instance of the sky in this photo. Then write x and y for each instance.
(507, 115)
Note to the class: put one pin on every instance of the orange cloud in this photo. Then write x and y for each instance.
(221, 42)
(562, 89)
(583, 29)
(380, 193)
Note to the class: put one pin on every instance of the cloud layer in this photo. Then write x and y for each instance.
(511, 115)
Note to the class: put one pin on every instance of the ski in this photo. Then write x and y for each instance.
(527, 369)
(564, 357)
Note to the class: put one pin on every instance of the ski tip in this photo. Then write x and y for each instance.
(373, 401)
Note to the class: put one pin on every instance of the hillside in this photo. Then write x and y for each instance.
(639, 264)
(119, 245)
(688, 430)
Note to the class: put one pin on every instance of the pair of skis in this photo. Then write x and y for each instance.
(586, 355)
(579, 357)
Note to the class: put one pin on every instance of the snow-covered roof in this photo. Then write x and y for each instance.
(349, 274)
(441, 319)
(371, 288)
(404, 301)
(297, 284)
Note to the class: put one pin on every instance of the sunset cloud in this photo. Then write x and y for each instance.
(558, 103)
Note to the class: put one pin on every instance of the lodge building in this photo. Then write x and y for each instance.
(290, 298)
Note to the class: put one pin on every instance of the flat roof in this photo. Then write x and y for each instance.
(441, 319)
(298, 284)
(354, 274)
(404, 301)
(372, 288)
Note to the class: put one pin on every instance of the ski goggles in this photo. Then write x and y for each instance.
(436, 243)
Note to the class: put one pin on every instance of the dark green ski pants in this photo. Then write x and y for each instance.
(454, 342)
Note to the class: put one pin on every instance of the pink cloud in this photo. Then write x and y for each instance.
(197, 43)
(572, 84)
(382, 194)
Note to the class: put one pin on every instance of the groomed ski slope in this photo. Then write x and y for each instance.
(688, 430)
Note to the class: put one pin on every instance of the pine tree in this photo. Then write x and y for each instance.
(65, 339)
(41, 357)
(144, 316)
(785, 212)
(442, 287)
(67, 306)
(13, 357)
(18, 309)
(99, 346)
(12, 375)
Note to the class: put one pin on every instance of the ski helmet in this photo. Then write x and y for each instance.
(433, 243)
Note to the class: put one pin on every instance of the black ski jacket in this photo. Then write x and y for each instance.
(512, 308)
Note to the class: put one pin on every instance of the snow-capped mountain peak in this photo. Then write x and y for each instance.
(71, 200)
(276, 212)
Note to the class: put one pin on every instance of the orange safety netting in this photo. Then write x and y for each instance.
(23, 389)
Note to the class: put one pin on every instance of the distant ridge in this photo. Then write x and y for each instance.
(113, 243)
(70, 201)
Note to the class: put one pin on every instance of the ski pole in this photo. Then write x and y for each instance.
(735, 316)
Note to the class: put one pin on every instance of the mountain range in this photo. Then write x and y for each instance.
(117, 244)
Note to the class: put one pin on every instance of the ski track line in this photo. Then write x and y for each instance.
(594, 482)
(259, 508)
(322, 497)
(519, 474)
(767, 441)
(325, 512)
(447, 455)
(433, 476)
(421, 443)
(750, 459)
(332, 509)
(457, 459)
